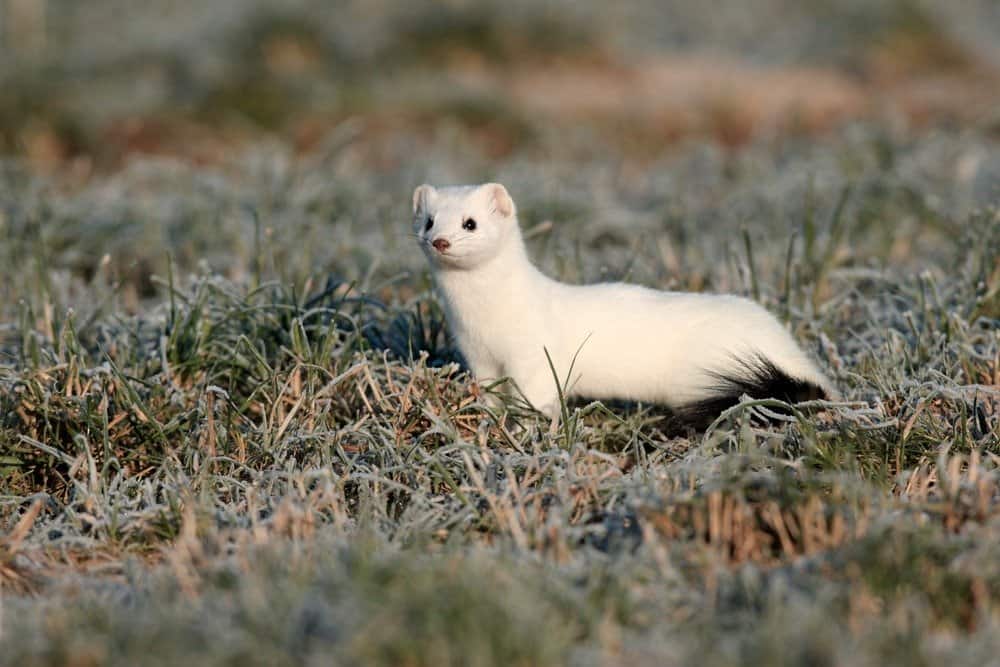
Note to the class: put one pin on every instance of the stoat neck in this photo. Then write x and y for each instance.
(508, 278)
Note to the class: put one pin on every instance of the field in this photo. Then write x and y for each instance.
(234, 430)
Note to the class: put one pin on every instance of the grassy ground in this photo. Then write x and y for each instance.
(233, 428)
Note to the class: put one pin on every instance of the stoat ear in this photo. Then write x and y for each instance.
(422, 196)
(500, 199)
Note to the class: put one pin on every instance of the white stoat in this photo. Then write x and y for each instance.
(696, 353)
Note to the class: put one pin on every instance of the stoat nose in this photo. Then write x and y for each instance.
(440, 244)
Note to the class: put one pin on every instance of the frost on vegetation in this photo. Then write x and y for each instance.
(239, 378)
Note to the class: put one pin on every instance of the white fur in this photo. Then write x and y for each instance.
(630, 342)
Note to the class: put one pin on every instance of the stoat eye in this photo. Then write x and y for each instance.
(429, 223)
(469, 225)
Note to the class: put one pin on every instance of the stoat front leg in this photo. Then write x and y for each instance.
(535, 383)
(485, 370)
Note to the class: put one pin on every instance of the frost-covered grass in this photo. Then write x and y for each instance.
(233, 429)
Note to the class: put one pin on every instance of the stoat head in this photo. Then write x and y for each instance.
(465, 226)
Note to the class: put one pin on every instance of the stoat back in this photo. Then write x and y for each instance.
(696, 353)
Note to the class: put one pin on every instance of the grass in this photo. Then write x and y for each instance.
(250, 462)
(233, 428)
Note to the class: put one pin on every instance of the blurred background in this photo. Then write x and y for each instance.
(281, 140)
(88, 85)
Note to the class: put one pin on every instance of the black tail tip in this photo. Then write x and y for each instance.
(757, 378)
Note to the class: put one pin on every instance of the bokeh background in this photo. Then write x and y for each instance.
(92, 83)
(193, 131)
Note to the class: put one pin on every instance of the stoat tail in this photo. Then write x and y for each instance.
(756, 377)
